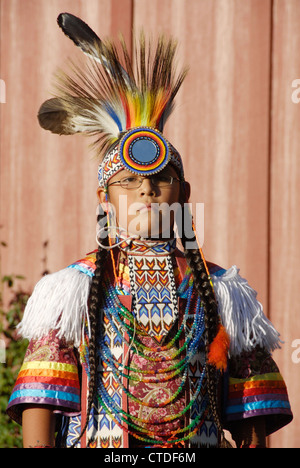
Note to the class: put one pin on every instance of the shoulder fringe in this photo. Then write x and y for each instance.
(242, 315)
(59, 302)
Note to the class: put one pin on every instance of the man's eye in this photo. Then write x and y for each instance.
(162, 178)
(128, 180)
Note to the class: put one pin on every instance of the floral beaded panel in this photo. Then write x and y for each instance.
(156, 409)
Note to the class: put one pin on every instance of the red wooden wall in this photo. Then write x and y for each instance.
(236, 125)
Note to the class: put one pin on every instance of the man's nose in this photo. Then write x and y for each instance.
(147, 187)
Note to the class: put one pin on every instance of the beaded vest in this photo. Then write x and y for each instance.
(151, 387)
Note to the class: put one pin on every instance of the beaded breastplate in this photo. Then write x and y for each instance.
(150, 392)
(152, 285)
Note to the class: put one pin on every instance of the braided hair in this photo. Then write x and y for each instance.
(204, 289)
(205, 292)
(95, 303)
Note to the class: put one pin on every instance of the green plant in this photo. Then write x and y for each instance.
(10, 316)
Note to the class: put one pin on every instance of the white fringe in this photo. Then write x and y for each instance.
(59, 302)
(242, 315)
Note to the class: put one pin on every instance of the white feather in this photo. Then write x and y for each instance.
(100, 120)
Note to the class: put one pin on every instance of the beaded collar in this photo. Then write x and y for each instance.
(148, 248)
(152, 284)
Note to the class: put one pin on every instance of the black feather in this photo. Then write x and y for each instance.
(88, 41)
(78, 31)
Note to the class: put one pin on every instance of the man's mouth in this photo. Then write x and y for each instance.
(147, 207)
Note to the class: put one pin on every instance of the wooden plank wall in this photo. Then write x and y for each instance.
(284, 234)
(235, 124)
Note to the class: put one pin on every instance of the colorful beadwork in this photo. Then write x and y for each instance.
(131, 359)
(174, 366)
(144, 151)
(112, 164)
(153, 287)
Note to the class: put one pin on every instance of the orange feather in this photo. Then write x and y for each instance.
(218, 349)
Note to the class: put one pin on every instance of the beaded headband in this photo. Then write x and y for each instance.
(122, 100)
(143, 151)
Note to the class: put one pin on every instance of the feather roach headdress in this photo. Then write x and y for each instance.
(114, 94)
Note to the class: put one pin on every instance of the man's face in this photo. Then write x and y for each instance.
(144, 211)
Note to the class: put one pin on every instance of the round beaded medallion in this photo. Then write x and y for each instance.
(144, 151)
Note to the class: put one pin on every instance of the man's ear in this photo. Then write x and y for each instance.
(102, 198)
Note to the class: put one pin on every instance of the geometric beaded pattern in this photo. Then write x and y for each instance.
(155, 303)
(102, 430)
(207, 435)
(110, 166)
